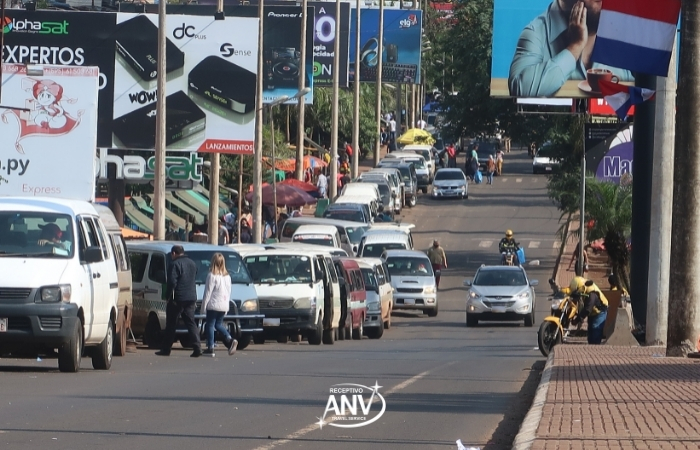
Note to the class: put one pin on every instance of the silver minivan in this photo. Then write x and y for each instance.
(413, 281)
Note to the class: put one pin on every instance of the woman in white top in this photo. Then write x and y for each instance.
(217, 292)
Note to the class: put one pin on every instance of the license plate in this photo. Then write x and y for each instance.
(271, 322)
(498, 309)
(409, 301)
(548, 169)
(3, 324)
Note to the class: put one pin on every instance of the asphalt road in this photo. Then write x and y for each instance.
(441, 381)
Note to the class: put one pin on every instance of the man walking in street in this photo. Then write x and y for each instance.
(181, 296)
(436, 255)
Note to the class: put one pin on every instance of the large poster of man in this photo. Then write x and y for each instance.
(542, 48)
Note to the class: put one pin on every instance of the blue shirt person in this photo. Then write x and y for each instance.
(556, 47)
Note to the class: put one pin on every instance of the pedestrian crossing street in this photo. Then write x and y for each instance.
(531, 243)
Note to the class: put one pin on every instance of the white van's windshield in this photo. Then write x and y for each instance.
(315, 239)
(409, 266)
(288, 269)
(234, 266)
(36, 235)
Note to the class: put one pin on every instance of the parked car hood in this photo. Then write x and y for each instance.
(500, 291)
(410, 281)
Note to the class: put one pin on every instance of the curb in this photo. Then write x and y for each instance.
(528, 429)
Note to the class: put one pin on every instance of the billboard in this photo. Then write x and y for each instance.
(534, 56)
(610, 152)
(401, 55)
(324, 27)
(48, 131)
(281, 42)
(211, 73)
(211, 82)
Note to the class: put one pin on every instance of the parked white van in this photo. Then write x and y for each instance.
(59, 287)
(413, 281)
(350, 232)
(324, 235)
(295, 293)
(377, 243)
(149, 267)
(368, 201)
(379, 296)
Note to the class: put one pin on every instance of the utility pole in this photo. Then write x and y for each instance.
(661, 206)
(356, 96)
(257, 158)
(334, 110)
(215, 161)
(378, 100)
(399, 93)
(301, 132)
(159, 181)
(582, 204)
(413, 105)
(684, 284)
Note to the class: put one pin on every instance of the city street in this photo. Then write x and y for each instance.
(441, 381)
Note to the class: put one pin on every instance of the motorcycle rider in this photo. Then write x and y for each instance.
(595, 305)
(436, 255)
(508, 244)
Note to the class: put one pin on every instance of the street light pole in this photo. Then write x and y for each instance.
(257, 158)
(215, 160)
(301, 132)
(159, 181)
(356, 96)
(334, 110)
(378, 100)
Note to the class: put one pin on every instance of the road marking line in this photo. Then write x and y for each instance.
(534, 244)
(534, 180)
(504, 180)
(518, 180)
(485, 244)
(306, 430)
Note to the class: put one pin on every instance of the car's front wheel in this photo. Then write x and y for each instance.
(472, 320)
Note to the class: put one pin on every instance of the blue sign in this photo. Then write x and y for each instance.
(401, 53)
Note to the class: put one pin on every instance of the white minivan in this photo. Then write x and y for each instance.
(60, 287)
(413, 280)
(150, 262)
(295, 293)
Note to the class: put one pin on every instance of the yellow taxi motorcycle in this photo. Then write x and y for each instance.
(553, 329)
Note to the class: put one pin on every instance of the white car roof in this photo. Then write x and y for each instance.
(405, 254)
(449, 170)
(47, 204)
(316, 229)
(364, 199)
(276, 251)
(166, 246)
(368, 263)
(418, 147)
(392, 226)
(410, 155)
(315, 249)
(385, 238)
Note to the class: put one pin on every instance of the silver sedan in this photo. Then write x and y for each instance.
(450, 183)
(500, 293)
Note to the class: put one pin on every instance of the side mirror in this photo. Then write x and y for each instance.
(341, 281)
(589, 283)
(354, 248)
(344, 240)
(92, 255)
(467, 283)
(534, 283)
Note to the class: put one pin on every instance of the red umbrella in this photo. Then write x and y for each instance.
(286, 196)
(303, 185)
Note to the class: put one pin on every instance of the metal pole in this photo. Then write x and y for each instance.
(413, 105)
(684, 284)
(274, 163)
(582, 206)
(356, 97)
(378, 100)
(661, 206)
(215, 161)
(257, 158)
(301, 132)
(240, 196)
(159, 181)
(398, 93)
(334, 110)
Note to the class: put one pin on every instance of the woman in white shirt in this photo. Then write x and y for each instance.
(217, 292)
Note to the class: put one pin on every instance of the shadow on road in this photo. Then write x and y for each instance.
(503, 437)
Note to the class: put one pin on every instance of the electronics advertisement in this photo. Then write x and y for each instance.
(48, 126)
(66, 38)
(211, 81)
(281, 43)
(531, 56)
(401, 54)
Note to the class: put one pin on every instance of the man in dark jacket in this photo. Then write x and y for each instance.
(181, 296)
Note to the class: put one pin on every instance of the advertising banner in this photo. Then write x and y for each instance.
(401, 55)
(324, 27)
(70, 39)
(609, 151)
(48, 131)
(211, 81)
(281, 43)
(534, 54)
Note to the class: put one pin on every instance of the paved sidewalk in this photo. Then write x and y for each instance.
(600, 397)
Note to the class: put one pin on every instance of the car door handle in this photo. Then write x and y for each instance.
(96, 275)
(150, 291)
